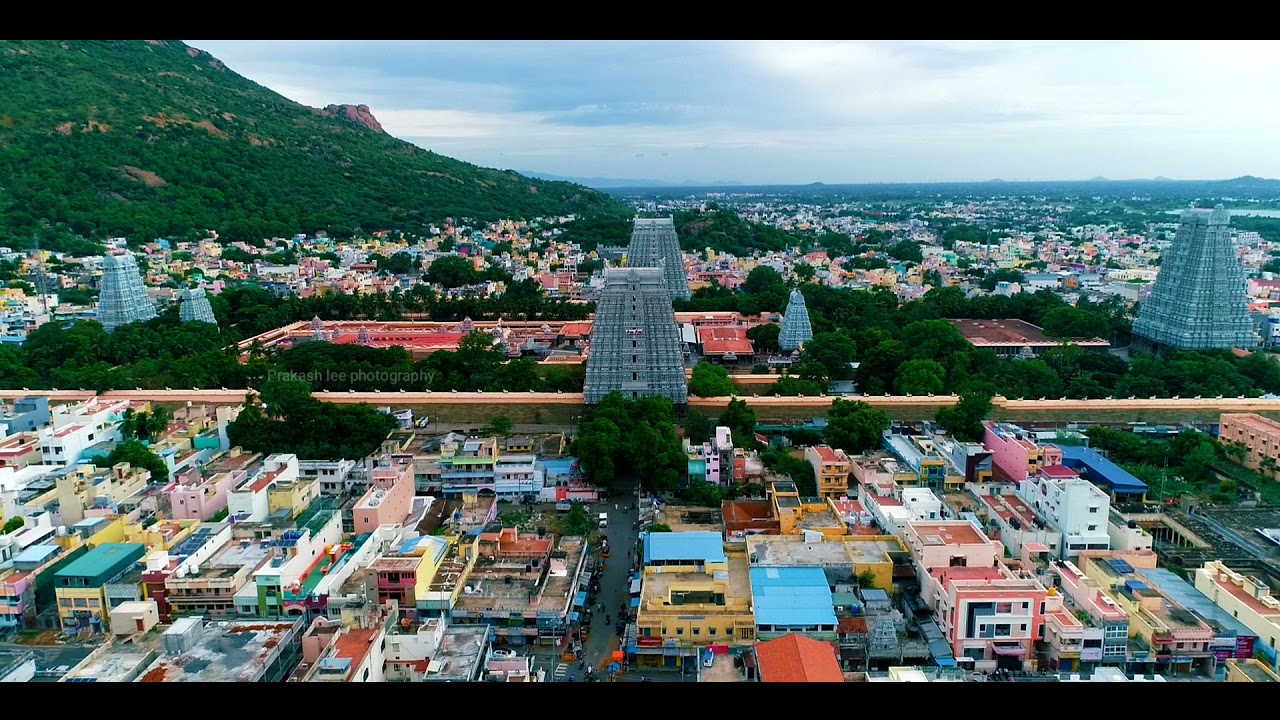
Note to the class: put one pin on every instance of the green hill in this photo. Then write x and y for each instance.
(154, 138)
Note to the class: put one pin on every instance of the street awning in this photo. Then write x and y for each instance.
(635, 603)
(635, 586)
(579, 600)
(1009, 650)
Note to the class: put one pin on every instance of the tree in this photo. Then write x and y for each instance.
(764, 338)
(833, 351)
(920, 377)
(698, 428)
(711, 381)
(499, 425)
(740, 418)
(14, 523)
(705, 494)
(452, 271)
(138, 456)
(804, 272)
(659, 527)
(866, 579)
(854, 426)
(964, 420)
(577, 521)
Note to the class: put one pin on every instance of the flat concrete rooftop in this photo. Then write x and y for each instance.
(657, 584)
(778, 551)
(225, 652)
(506, 587)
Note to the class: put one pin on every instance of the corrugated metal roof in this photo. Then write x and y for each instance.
(705, 546)
(791, 596)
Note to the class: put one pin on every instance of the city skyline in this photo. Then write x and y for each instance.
(795, 112)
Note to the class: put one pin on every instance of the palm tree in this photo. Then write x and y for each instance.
(1268, 466)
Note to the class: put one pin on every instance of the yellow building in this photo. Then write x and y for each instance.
(160, 536)
(1250, 671)
(681, 612)
(1248, 599)
(831, 468)
(293, 495)
(795, 514)
(871, 558)
(82, 488)
(81, 587)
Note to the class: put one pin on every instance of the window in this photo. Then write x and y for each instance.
(635, 376)
(1093, 508)
(680, 631)
(633, 343)
(664, 631)
(1004, 608)
(697, 632)
(1092, 528)
(1022, 627)
(711, 632)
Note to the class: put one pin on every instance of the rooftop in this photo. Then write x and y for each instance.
(791, 551)
(518, 586)
(225, 652)
(1252, 421)
(1020, 333)
(459, 652)
(657, 585)
(792, 596)
(1101, 470)
(959, 532)
(699, 546)
(103, 559)
(796, 658)
(119, 663)
(1185, 594)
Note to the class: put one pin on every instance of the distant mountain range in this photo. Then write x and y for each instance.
(1243, 183)
(603, 183)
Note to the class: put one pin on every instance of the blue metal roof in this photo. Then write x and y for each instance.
(702, 546)
(430, 545)
(1100, 470)
(1186, 595)
(792, 596)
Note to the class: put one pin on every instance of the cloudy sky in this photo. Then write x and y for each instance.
(804, 111)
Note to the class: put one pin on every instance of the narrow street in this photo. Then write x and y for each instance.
(614, 586)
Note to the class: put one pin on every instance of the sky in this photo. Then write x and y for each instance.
(798, 111)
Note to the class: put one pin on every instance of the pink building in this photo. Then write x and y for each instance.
(954, 543)
(989, 615)
(200, 493)
(1013, 454)
(388, 500)
(1259, 435)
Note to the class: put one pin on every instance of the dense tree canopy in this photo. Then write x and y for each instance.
(621, 437)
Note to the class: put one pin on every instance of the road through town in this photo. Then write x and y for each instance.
(615, 586)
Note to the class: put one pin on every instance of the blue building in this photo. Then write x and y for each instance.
(792, 599)
(28, 414)
(698, 549)
(1092, 466)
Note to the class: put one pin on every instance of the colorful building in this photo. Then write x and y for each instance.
(1248, 599)
(792, 600)
(831, 468)
(1259, 435)
(80, 587)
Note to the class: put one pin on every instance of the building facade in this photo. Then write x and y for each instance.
(654, 244)
(796, 328)
(123, 298)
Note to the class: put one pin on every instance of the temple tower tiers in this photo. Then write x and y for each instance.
(124, 297)
(635, 342)
(796, 328)
(654, 244)
(1200, 298)
(195, 307)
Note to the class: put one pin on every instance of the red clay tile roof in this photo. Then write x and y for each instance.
(796, 658)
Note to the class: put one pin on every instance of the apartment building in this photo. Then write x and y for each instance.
(792, 600)
(876, 469)
(712, 462)
(928, 467)
(90, 490)
(693, 594)
(1248, 599)
(1259, 435)
(20, 450)
(797, 515)
(201, 493)
(1163, 634)
(1015, 524)
(968, 460)
(1073, 506)
(1095, 609)
(290, 495)
(26, 415)
(81, 586)
(831, 467)
(208, 586)
(66, 446)
(251, 500)
(336, 477)
(873, 560)
(388, 500)
(990, 616)
(332, 652)
(1014, 455)
(954, 543)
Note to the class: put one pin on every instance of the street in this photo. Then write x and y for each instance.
(615, 587)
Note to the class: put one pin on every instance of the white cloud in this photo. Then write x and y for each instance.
(799, 111)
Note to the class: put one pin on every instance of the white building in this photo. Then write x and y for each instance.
(910, 505)
(1075, 507)
(251, 502)
(335, 476)
(12, 484)
(93, 412)
(62, 447)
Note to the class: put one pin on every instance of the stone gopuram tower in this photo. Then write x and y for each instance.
(796, 328)
(1200, 298)
(195, 307)
(635, 342)
(124, 298)
(654, 244)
